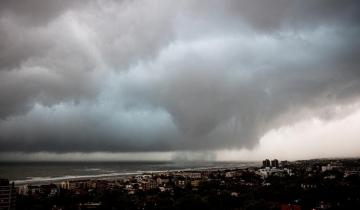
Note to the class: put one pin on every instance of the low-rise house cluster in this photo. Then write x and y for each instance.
(146, 189)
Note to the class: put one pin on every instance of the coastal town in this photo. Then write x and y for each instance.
(283, 185)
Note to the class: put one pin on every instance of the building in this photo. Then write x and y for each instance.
(180, 183)
(195, 183)
(74, 184)
(229, 174)
(328, 167)
(50, 190)
(162, 181)
(275, 163)
(191, 175)
(290, 207)
(284, 163)
(22, 190)
(148, 185)
(34, 189)
(89, 205)
(266, 163)
(7, 195)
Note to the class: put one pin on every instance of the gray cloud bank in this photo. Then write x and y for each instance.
(163, 76)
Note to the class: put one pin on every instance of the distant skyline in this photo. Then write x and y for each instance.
(182, 80)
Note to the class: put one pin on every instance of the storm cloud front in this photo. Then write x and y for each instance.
(161, 76)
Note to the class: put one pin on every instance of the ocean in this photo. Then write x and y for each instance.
(47, 172)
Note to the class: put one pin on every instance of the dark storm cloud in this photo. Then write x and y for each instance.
(21, 22)
(61, 54)
(146, 76)
(278, 14)
(236, 105)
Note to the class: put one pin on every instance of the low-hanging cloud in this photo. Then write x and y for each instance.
(191, 75)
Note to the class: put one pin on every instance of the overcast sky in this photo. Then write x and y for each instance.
(179, 80)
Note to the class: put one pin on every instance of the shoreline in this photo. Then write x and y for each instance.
(56, 180)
